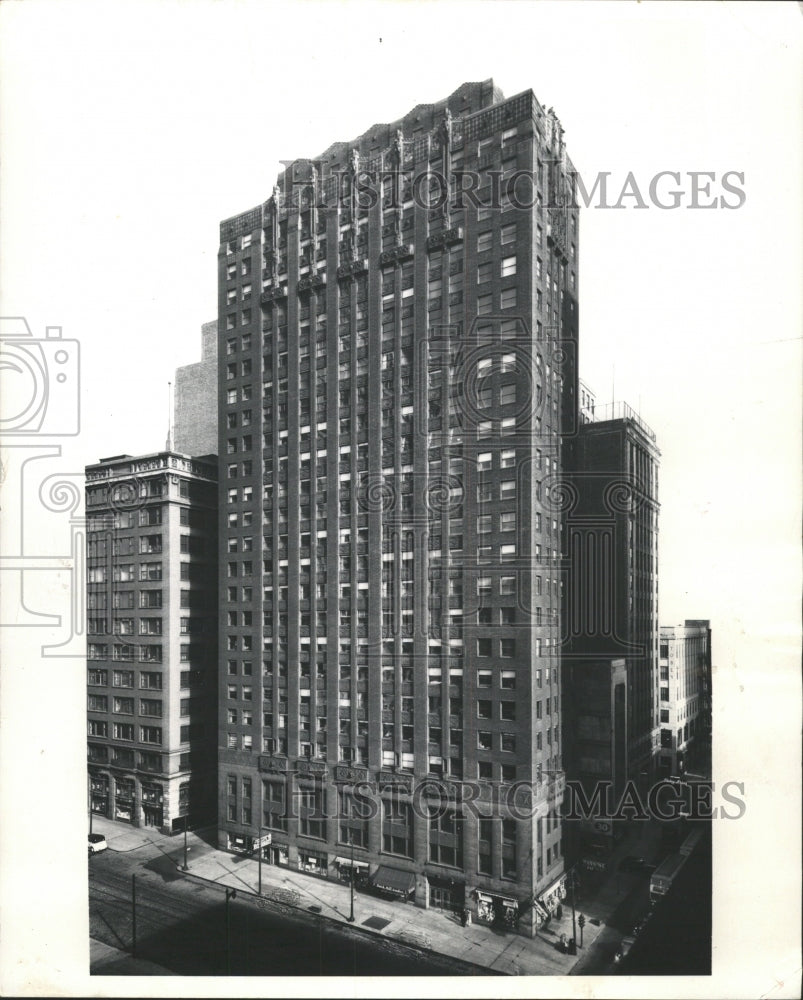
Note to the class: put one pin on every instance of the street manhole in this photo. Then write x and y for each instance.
(376, 923)
(314, 909)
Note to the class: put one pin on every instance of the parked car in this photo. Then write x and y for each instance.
(624, 948)
(97, 842)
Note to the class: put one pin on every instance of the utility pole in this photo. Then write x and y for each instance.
(261, 848)
(184, 866)
(230, 894)
(351, 879)
(573, 948)
(133, 916)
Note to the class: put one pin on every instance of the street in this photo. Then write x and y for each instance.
(181, 925)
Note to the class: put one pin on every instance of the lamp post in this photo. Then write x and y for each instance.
(184, 867)
(351, 879)
(230, 894)
(573, 949)
(89, 781)
(260, 849)
(133, 916)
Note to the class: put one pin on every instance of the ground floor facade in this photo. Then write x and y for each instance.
(429, 843)
(152, 800)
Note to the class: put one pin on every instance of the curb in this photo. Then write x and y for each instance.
(368, 932)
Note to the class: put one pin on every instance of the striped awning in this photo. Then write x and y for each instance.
(394, 880)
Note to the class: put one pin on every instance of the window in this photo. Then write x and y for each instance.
(484, 461)
(507, 459)
(509, 233)
(150, 680)
(123, 706)
(484, 678)
(484, 741)
(484, 647)
(150, 734)
(508, 680)
(484, 523)
(484, 709)
(508, 298)
(483, 273)
(123, 678)
(507, 711)
(485, 304)
(508, 266)
(484, 241)
(123, 731)
(507, 521)
(507, 585)
(507, 394)
(151, 707)
(507, 647)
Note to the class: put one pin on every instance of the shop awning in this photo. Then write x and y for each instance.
(394, 880)
(348, 863)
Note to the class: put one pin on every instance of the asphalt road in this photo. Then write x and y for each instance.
(181, 925)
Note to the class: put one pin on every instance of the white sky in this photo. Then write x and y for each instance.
(131, 129)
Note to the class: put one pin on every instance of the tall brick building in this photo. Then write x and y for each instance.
(610, 665)
(194, 406)
(151, 639)
(397, 365)
(685, 697)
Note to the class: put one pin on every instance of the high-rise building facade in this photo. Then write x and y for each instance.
(152, 639)
(611, 525)
(685, 697)
(195, 402)
(397, 364)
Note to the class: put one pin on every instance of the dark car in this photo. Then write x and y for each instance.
(631, 864)
(97, 842)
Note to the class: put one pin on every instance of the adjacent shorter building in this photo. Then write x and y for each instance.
(595, 699)
(610, 500)
(610, 644)
(195, 403)
(685, 697)
(152, 639)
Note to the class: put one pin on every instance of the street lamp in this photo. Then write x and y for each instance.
(184, 867)
(573, 947)
(261, 844)
(351, 879)
(230, 894)
(133, 916)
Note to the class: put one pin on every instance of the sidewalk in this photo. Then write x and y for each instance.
(440, 931)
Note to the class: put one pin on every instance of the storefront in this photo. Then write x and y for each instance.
(394, 882)
(313, 862)
(241, 843)
(124, 799)
(499, 911)
(152, 805)
(280, 855)
(553, 895)
(345, 866)
(99, 786)
(446, 893)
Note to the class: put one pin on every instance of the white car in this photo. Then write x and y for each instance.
(97, 842)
